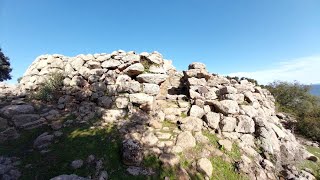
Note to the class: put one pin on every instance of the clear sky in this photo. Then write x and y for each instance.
(263, 39)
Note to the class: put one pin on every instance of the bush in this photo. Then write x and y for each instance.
(50, 89)
(295, 98)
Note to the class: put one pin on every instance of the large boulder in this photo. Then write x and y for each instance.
(196, 111)
(152, 78)
(111, 64)
(245, 124)
(227, 106)
(140, 98)
(212, 119)
(134, 69)
(11, 110)
(191, 124)
(21, 119)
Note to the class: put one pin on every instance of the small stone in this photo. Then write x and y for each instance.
(76, 164)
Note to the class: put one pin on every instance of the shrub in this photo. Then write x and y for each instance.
(295, 98)
(50, 89)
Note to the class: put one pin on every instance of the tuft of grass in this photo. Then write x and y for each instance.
(183, 115)
(50, 88)
(213, 139)
(152, 162)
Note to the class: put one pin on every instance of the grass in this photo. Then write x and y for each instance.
(223, 170)
(314, 166)
(49, 90)
(167, 123)
(183, 115)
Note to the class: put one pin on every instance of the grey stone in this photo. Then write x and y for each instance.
(245, 124)
(134, 69)
(20, 120)
(111, 64)
(204, 166)
(69, 177)
(131, 153)
(196, 111)
(76, 164)
(212, 119)
(186, 140)
(151, 89)
(11, 110)
(152, 78)
(227, 106)
(228, 124)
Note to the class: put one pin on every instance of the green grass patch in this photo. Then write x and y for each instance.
(314, 166)
(183, 115)
(167, 123)
(223, 170)
(213, 139)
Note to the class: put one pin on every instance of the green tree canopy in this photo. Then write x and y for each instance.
(5, 68)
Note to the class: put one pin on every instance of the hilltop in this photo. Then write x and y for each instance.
(134, 116)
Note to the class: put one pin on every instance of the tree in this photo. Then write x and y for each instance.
(4, 67)
(295, 98)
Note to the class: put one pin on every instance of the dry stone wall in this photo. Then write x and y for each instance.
(138, 90)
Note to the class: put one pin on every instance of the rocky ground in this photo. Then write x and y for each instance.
(133, 116)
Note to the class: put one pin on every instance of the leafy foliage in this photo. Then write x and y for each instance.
(5, 68)
(295, 98)
(50, 88)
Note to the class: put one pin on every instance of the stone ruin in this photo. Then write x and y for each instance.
(139, 92)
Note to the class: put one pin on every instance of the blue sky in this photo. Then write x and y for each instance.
(266, 40)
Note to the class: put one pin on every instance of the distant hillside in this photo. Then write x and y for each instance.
(315, 89)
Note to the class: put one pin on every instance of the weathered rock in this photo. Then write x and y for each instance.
(111, 64)
(20, 120)
(11, 110)
(76, 164)
(186, 140)
(228, 90)
(196, 111)
(226, 144)
(43, 141)
(3, 124)
(228, 124)
(69, 177)
(140, 98)
(131, 153)
(191, 124)
(197, 65)
(151, 89)
(212, 119)
(134, 69)
(152, 78)
(122, 102)
(245, 124)
(227, 106)
(204, 166)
